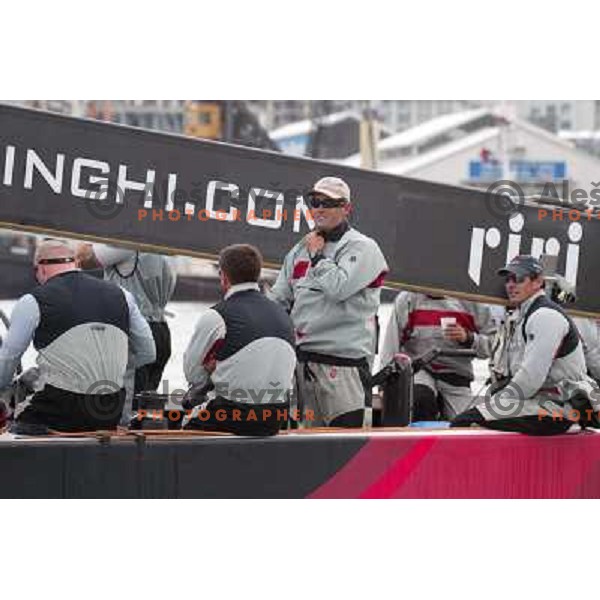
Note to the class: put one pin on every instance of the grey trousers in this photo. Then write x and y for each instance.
(324, 392)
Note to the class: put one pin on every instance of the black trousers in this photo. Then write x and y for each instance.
(148, 377)
(241, 419)
(531, 425)
(53, 408)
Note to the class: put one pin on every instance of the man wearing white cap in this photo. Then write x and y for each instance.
(330, 283)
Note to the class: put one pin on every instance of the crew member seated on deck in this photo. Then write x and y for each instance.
(81, 327)
(330, 283)
(420, 323)
(244, 348)
(544, 387)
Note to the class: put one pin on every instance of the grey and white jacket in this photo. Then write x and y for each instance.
(414, 328)
(251, 339)
(589, 329)
(82, 328)
(537, 377)
(150, 278)
(333, 302)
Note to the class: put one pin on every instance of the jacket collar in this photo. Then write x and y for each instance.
(335, 235)
(524, 307)
(241, 287)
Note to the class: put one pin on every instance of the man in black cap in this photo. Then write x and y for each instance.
(544, 362)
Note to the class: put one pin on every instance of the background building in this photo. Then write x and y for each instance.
(395, 115)
(480, 146)
(557, 115)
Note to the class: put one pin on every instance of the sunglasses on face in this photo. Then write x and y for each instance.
(516, 278)
(325, 202)
(52, 261)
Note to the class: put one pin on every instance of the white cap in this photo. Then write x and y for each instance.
(332, 187)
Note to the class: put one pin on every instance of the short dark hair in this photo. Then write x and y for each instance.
(241, 263)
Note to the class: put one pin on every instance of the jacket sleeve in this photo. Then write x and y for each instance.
(483, 338)
(356, 266)
(141, 340)
(545, 331)
(25, 318)
(590, 336)
(210, 330)
(395, 327)
(282, 291)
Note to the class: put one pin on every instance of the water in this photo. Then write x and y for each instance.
(182, 325)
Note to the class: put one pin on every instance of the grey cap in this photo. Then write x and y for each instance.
(522, 265)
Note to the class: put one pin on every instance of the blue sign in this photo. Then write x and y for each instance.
(294, 144)
(520, 170)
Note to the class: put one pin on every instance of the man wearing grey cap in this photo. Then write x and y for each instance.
(544, 367)
(330, 283)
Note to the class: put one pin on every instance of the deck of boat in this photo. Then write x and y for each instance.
(383, 463)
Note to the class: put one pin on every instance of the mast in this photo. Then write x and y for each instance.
(368, 137)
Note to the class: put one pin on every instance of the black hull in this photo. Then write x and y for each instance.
(383, 464)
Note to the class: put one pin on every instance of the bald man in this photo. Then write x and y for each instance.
(82, 328)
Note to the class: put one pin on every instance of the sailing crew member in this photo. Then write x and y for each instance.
(421, 322)
(151, 279)
(244, 347)
(330, 283)
(545, 362)
(589, 331)
(81, 327)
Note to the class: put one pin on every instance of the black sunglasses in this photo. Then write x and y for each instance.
(516, 278)
(326, 202)
(52, 261)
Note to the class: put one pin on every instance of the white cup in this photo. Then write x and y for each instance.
(445, 322)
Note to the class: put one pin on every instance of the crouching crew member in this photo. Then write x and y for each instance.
(419, 323)
(330, 284)
(81, 327)
(244, 346)
(544, 367)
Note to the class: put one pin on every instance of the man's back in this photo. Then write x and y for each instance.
(150, 278)
(254, 348)
(82, 335)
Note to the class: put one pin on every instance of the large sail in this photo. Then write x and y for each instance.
(168, 193)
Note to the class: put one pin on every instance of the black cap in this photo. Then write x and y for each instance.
(521, 266)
